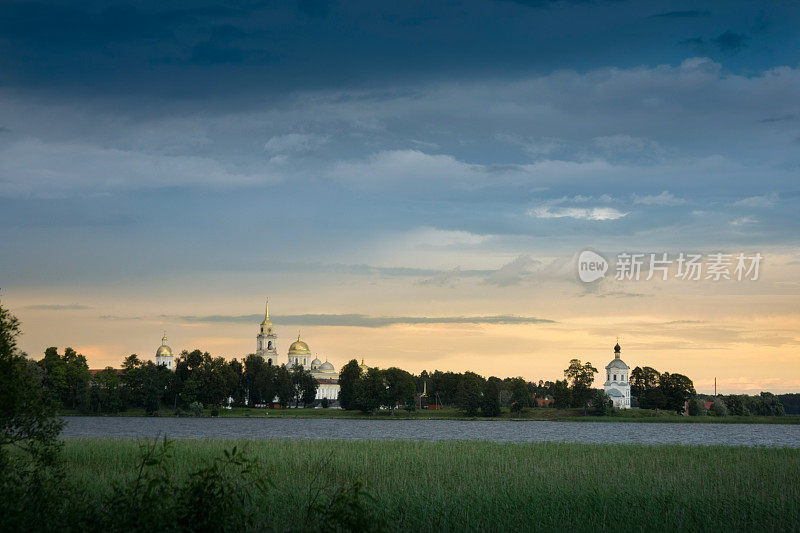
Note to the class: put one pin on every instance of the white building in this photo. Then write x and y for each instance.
(299, 355)
(617, 384)
(266, 340)
(164, 354)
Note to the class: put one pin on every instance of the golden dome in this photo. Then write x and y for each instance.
(298, 347)
(164, 351)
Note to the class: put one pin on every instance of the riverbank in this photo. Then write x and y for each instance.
(449, 486)
(449, 413)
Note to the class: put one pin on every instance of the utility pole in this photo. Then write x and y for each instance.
(715, 388)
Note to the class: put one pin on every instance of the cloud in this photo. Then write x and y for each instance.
(780, 118)
(730, 41)
(626, 144)
(437, 238)
(295, 143)
(365, 321)
(578, 213)
(665, 198)
(447, 278)
(406, 167)
(727, 41)
(34, 167)
(534, 147)
(57, 307)
(744, 221)
(765, 200)
(512, 273)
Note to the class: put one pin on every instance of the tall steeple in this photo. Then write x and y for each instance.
(266, 321)
(266, 339)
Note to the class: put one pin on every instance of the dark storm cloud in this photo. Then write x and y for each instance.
(180, 50)
(365, 321)
(728, 41)
(71, 26)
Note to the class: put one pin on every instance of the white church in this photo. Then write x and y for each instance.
(299, 355)
(617, 384)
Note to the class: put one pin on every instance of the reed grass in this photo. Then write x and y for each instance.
(459, 486)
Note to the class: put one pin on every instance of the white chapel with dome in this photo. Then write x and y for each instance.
(164, 354)
(617, 384)
(299, 355)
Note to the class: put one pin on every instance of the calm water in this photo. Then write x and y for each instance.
(498, 431)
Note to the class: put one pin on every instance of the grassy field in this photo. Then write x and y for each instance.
(450, 413)
(458, 486)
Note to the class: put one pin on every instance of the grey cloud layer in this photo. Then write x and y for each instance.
(364, 321)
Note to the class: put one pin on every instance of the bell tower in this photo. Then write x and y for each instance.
(266, 340)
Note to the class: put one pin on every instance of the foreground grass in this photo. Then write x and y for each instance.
(450, 413)
(456, 486)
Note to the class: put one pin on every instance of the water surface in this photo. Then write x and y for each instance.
(432, 430)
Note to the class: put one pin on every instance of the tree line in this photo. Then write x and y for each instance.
(393, 388)
(199, 380)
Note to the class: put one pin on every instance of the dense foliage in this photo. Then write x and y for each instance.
(654, 390)
(198, 379)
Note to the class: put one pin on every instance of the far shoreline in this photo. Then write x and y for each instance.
(530, 415)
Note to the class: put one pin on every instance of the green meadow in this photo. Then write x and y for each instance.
(458, 486)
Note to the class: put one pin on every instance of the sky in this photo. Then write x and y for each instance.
(410, 183)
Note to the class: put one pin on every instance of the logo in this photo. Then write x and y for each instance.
(591, 266)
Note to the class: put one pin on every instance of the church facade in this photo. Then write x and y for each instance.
(299, 354)
(617, 384)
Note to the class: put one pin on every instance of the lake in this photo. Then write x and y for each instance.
(431, 430)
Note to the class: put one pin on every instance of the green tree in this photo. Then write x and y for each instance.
(348, 377)
(736, 405)
(677, 390)
(370, 391)
(31, 476)
(601, 403)
(254, 380)
(770, 405)
(697, 407)
(470, 391)
(234, 377)
(643, 380)
(444, 387)
(561, 393)
(106, 392)
(77, 378)
(521, 395)
(305, 386)
(400, 388)
(284, 388)
(490, 402)
(580, 377)
(55, 375)
(133, 380)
